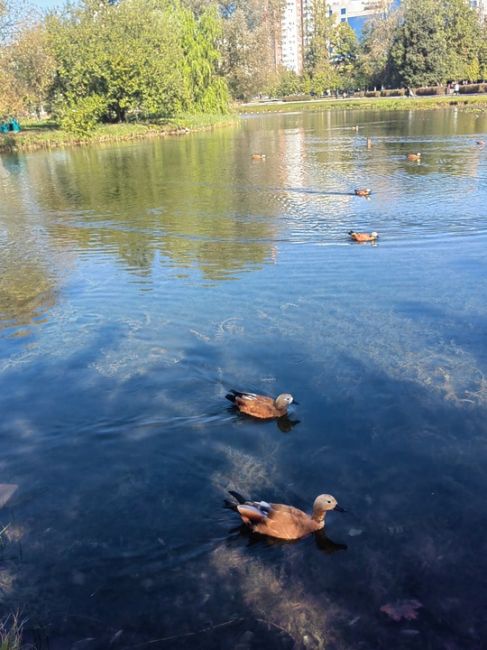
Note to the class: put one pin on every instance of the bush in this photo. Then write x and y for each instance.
(430, 90)
(297, 98)
(81, 116)
(396, 92)
(372, 93)
(473, 88)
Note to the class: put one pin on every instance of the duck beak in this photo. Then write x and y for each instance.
(339, 508)
(295, 401)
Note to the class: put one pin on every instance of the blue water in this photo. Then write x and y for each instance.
(139, 282)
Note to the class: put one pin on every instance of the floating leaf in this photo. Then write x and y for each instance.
(402, 609)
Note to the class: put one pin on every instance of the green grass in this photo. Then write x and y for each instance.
(47, 134)
(374, 103)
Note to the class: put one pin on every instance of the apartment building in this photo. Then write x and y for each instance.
(297, 21)
(480, 6)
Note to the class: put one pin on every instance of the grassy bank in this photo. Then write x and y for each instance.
(477, 102)
(47, 134)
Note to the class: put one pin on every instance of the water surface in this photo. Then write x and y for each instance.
(141, 281)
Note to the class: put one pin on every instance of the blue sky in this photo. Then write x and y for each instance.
(47, 4)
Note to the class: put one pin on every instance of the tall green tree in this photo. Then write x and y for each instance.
(318, 64)
(419, 50)
(345, 49)
(463, 39)
(147, 58)
(373, 64)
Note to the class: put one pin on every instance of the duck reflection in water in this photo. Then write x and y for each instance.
(321, 539)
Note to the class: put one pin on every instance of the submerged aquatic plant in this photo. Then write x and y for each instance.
(11, 633)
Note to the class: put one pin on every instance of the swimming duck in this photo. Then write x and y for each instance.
(480, 142)
(258, 156)
(261, 406)
(369, 143)
(362, 191)
(282, 521)
(414, 156)
(363, 236)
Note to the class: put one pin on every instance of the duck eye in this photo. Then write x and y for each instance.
(328, 501)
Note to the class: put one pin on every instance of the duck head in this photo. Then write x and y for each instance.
(283, 401)
(374, 234)
(322, 504)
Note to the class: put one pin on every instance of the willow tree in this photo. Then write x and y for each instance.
(137, 58)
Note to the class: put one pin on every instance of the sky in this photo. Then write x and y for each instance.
(47, 4)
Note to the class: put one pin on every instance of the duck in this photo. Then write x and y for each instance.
(258, 156)
(414, 156)
(282, 521)
(369, 143)
(261, 406)
(363, 236)
(480, 142)
(362, 191)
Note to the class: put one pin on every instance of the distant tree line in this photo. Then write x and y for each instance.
(113, 60)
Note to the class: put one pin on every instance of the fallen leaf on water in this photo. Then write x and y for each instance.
(402, 609)
(6, 491)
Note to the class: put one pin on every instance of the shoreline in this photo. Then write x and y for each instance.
(462, 102)
(39, 135)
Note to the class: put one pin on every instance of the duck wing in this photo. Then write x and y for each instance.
(285, 522)
(254, 512)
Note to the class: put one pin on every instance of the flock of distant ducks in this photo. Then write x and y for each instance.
(363, 237)
(276, 519)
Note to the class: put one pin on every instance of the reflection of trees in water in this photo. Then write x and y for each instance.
(27, 271)
(179, 197)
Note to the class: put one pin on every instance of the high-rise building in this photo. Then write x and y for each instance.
(297, 20)
(480, 6)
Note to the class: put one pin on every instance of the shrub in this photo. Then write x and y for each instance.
(396, 92)
(473, 88)
(82, 115)
(430, 90)
(297, 98)
(372, 93)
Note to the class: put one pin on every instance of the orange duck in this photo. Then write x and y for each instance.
(362, 191)
(363, 236)
(282, 521)
(261, 406)
(414, 156)
(258, 156)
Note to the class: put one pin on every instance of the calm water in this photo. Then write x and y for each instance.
(139, 282)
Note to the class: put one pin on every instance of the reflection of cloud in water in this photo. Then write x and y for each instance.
(245, 472)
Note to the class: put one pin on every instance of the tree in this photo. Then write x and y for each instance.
(32, 66)
(463, 39)
(153, 58)
(318, 63)
(345, 50)
(419, 50)
(373, 63)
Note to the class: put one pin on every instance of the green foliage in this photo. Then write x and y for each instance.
(419, 50)
(144, 58)
(81, 115)
(437, 42)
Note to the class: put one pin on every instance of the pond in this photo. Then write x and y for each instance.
(141, 281)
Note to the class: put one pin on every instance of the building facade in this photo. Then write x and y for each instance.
(297, 21)
(480, 6)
